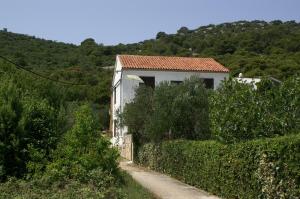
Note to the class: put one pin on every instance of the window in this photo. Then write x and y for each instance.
(148, 81)
(115, 128)
(176, 82)
(208, 83)
(115, 95)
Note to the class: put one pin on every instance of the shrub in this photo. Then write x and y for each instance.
(238, 112)
(265, 168)
(83, 149)
(27, 123)
(100, 185)
(31, 122)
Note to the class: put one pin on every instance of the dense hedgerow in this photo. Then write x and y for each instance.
(265, 168)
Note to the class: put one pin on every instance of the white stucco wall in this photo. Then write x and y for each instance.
(128, 86)
(125, 87)
(116, 94)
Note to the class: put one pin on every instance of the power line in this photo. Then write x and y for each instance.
(40, 75)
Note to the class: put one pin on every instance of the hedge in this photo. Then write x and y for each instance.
(265, 168)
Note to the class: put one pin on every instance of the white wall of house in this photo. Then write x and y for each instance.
(116, 96)
(129, 86)
(124, 88)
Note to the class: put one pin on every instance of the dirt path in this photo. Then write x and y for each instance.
(164, 186)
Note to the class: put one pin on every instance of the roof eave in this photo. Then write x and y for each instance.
(174, 70)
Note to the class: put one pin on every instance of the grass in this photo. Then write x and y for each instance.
(34, 189)
(133, 190)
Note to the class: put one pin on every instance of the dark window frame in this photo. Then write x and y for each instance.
(209, 83)
(148, 81)
(115, 128)
(115, 95)
(176, 82)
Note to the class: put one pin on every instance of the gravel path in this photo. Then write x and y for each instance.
(163, 186)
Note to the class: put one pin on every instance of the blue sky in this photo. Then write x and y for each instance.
(127, 21)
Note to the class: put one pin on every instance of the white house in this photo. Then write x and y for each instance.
(133, 70)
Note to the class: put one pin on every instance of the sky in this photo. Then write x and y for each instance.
(128, 21)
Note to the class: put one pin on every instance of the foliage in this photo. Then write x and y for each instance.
(83, 149)
(255, 48)
(135, 115)
(133, 190)
(44, 151)
(100, 185)
(169, 112)
(265, 168)
(180, 111)
(82, 166)
(29, 125)
(35, 114)
(252, 47)
(238, 112)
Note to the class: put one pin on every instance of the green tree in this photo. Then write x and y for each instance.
(83, 149)
(135, 115)
(169, 112)
(12, 158)
(238, 112)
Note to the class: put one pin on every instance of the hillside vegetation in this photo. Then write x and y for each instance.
(254, 48)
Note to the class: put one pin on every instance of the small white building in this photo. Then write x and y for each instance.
(247, 80)
(254, 81)
(133, 70)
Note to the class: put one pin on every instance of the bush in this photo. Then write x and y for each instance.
(169, 112)
(82, 150)
(100, 185)
(266, 168)
(238, 112)
(82, 166)
(28, 124)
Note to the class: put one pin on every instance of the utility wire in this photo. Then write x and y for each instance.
(39, 75)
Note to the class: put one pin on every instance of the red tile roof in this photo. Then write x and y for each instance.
(171, 63)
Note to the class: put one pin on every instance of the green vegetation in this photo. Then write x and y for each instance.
(240, 113)
(266, 168)
(32, 118)
(50, 155)
(236, 149)
(234, 112)
(70, 189)
(51, 145)
(133, 190)
(168, 112)
(254, 48)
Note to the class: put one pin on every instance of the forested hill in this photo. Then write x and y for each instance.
(254, 48)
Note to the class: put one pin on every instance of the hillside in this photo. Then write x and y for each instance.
(254, 48)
